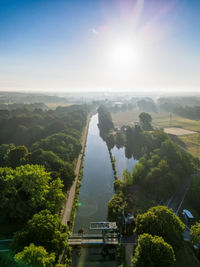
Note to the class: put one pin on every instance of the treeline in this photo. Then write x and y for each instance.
(184, 107)
(105, 122)
(145, 104)
(29, 98)
(180, 101)
(192, 113)
(26, 126)
(16, 107)
(33, 181)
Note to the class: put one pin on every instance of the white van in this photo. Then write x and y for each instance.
(188, 216)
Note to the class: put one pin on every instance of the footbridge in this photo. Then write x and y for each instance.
(93, 239)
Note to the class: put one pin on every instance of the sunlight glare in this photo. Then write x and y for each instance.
(125, 55)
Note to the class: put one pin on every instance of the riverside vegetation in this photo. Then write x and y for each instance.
(163, 166)
(38, 152)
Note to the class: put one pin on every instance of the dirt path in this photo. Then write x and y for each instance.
(71, 193)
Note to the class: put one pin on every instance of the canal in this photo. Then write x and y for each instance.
(95, 192)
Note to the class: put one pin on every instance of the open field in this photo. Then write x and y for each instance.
(192, 143)
(159, 120)
(178, 131)
(164, 120)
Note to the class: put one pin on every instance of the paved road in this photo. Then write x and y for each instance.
(176, 201)
(71, 193)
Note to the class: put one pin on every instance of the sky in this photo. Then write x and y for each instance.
(100, 45)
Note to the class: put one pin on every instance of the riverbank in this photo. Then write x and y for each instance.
(66, 213)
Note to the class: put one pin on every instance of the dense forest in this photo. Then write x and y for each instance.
(38, 152)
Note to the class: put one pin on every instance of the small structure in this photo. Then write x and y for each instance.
(103, 226)
(124, 128)
(188, 216)
(129, 218)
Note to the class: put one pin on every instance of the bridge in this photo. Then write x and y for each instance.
(105, 238)
(93, 239)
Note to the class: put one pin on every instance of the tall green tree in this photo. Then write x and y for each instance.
(105, 121)
(17, 156)
(26, 190)
(33, 256)
(195, 233)
(145, 121)
(4, 152)
(162, 222)
(153, 251)
(116, 207)
(44, 229)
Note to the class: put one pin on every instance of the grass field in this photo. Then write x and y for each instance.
(164, 120)
(159, 120)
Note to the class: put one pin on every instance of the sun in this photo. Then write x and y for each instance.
(124, 54)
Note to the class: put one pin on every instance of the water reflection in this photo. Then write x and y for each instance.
(122, 162)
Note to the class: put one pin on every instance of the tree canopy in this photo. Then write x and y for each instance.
(26, 190)
(195, 233)
(116, 207)
(145, 121)
(34, 256)
(44, 229)
(162, 222)
(105, 121)
(153, 251)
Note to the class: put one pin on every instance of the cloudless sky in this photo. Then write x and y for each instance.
(91, 45)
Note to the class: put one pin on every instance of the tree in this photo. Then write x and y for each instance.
(63, 145)
(44, 229)
(17, 156)
(153, 251)
(145, 121)
(26, 190)
(120, 139)
(116, 207)
(195, 233)
(34, 256)
(105, 121)
(127, 177)
(4, 151)
(162, 222)
(55, 164)
(110, 141)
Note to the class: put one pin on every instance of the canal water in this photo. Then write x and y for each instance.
(95, 192)
(121, 162)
